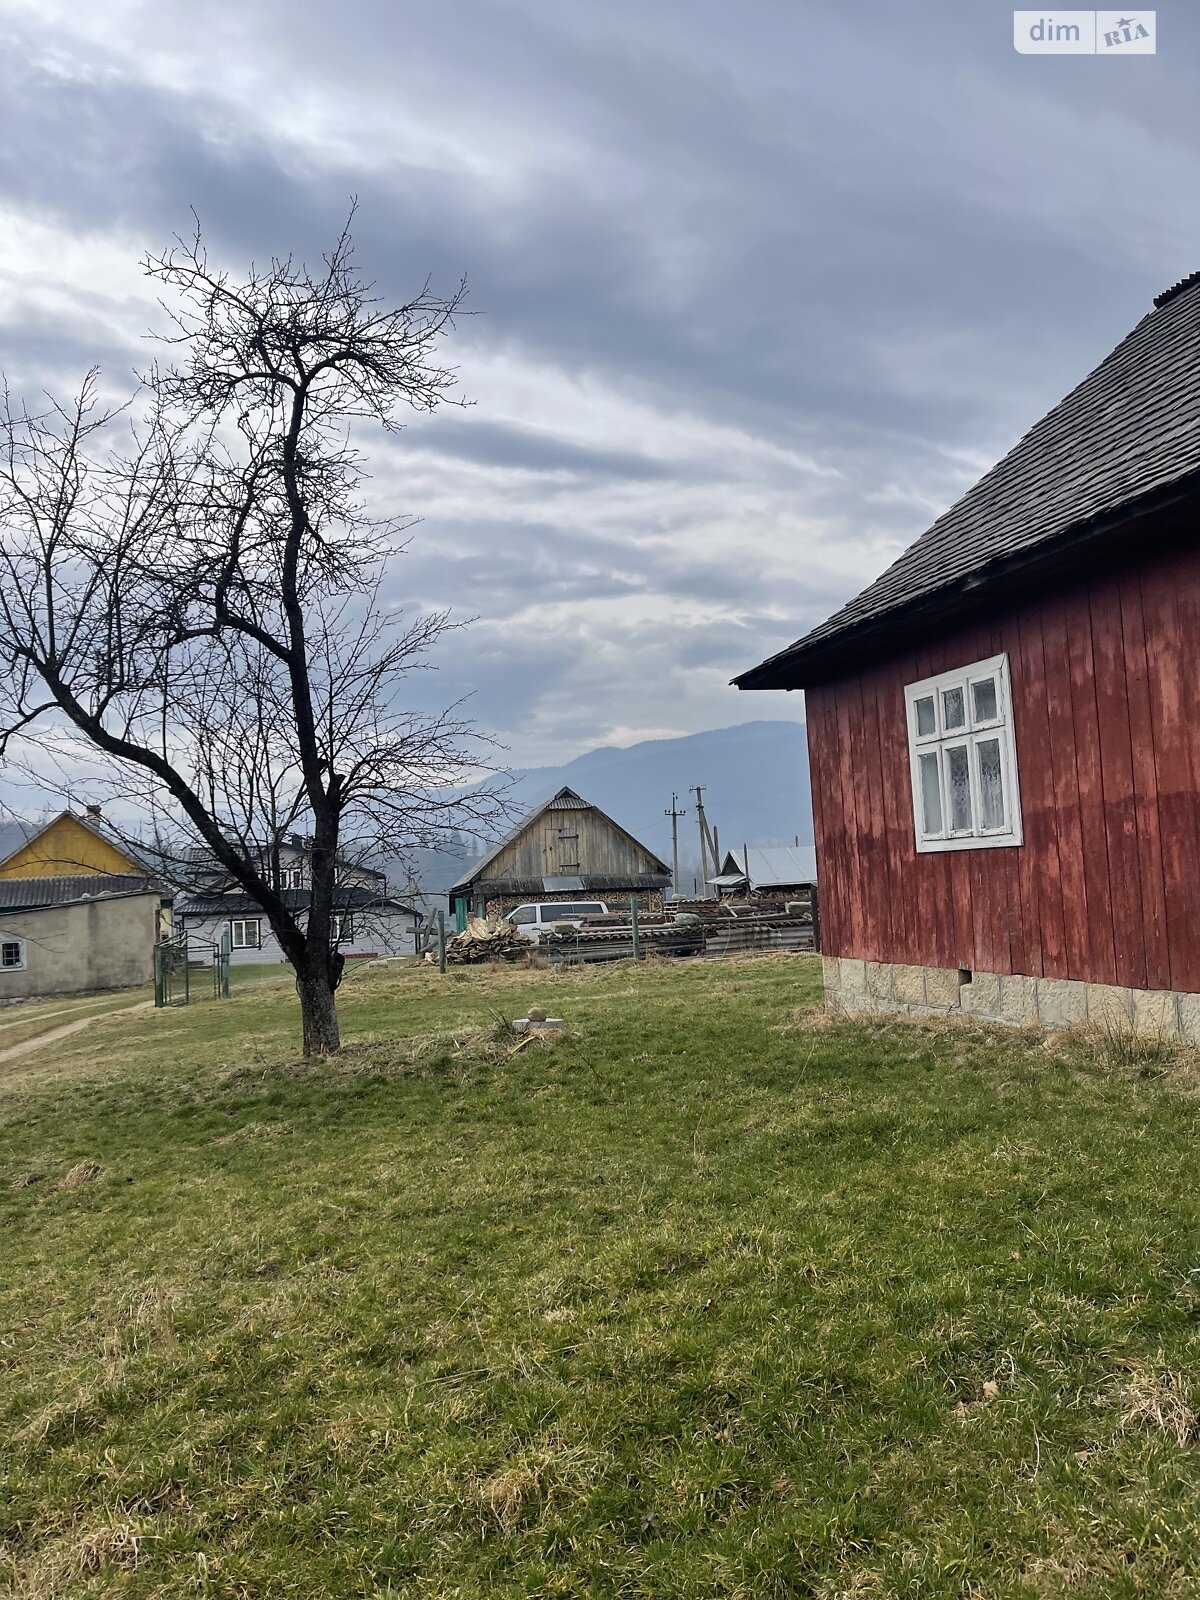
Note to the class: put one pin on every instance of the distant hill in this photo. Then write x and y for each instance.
(756, 791)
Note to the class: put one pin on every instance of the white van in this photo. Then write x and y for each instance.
(537, 918)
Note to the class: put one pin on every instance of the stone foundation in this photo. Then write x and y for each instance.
(881, 986)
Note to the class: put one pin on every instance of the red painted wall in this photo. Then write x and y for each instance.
(1106, 887)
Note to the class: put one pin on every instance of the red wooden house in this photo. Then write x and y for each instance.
(1004, 728)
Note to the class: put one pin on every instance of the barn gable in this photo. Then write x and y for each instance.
(564, 845)
(68, 846)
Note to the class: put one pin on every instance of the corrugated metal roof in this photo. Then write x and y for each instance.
(1129, 430)
(772, 866)
(567, 800)
(34, 894)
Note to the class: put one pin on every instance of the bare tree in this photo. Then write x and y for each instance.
(190, 590)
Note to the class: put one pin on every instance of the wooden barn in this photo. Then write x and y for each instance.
(562, 850)
(1004, 728)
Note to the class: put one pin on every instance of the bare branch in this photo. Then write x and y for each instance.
(190, 590)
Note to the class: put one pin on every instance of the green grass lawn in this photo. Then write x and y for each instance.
(706, 1298)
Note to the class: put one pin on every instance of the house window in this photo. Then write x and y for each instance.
(245, 933)
(964, 758)
(12, 955)
(341, 928)
(293, 878)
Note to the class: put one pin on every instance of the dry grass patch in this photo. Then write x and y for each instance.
(121, 1545)
(1157, 1402)
(83, 1172)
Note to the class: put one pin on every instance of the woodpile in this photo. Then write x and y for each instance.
(484, 941)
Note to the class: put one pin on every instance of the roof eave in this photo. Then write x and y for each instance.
(802, 665)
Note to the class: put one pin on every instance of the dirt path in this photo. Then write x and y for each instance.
(79, 1011)
(68, 1028)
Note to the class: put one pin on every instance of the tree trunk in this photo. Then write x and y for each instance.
(318, 1013)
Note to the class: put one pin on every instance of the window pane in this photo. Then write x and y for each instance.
(983, 694)
(958, 768)
(931, 795)
(991, 784)
(12, 955)
(954, 709)
(926, 721)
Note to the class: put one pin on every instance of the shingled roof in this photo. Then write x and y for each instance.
(235, 903)
(1126, 441)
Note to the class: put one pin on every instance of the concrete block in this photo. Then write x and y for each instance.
(1154, 1015)
(831, 970)
(1188, 1008)
(942, 988)
(909, 985)
(981, 997)
(1061, 1002)
(879, 979)
(1110, 1006)
(855, 1005)
(1018, 999)
(853, 979)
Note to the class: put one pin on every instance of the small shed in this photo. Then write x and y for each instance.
(70, 935)
(1004, 728)
(768, 869)
(563, 848)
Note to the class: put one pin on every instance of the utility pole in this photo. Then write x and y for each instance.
(705, 840)
(674, 815)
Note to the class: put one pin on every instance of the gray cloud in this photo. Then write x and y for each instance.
(526, 450)
(761, 289)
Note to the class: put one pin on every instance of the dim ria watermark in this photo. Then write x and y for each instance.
(1085, 33)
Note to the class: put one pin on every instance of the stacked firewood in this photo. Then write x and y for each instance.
(485, 941)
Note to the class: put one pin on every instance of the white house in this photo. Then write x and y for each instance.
(368, 919)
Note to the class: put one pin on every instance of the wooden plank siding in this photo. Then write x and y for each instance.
(1106, 886)
(567, 842)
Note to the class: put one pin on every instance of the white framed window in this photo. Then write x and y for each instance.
(12, 955)
(293, 878)
(963, 757)
(245, 933)
(341, 928)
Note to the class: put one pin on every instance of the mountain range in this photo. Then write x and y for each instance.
(755, 791)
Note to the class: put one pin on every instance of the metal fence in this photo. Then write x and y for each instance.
(190, 969)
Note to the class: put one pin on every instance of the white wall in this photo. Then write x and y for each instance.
(106, 943)
(376, 933)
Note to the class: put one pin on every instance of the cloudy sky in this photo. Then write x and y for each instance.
(760, 288)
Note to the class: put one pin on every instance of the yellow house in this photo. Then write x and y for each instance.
(71, 846)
